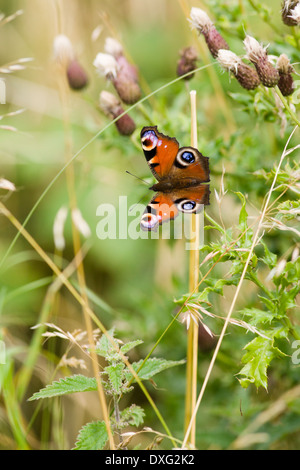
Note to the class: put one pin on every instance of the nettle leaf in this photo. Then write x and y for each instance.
(151, 367)
(128, 346)
(133, 415)
(260, 353)
(73, 384)
(92, 436)
(104, 346)
(115, 376)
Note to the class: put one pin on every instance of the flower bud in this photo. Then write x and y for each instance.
(76, 75)
(257, 54)
(123, 75)
(290, 12)
(111, 106)
(286, 81)
(113, 47)
(187, 62)
(203, 24)
(246, 75)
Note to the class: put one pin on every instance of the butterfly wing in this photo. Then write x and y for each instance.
(169, 162)
(160, 151)
(165, 206)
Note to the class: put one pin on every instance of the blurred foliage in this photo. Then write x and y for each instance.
(252, 397)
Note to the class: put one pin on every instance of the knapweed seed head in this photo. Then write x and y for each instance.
(203, 24)
(246, 75)
(187, 62)
(290, 12)
(257, 54)
(112, 107)
(286, 81)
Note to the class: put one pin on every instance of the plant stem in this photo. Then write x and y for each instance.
(192, 340)
(287, 107)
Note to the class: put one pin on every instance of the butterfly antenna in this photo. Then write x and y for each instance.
(131, 174)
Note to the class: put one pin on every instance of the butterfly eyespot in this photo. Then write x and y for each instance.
(185, 158)
(187, 205)
(149, 140)
(188, 157)
(149, 221)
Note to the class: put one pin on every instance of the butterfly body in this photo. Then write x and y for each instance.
(180, 173)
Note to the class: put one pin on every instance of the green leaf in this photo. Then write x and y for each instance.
(132, 344)
(151, 367)
(104, 346)
(133, 415)
(270, 259)
(72, 384)
(115, 376)
(92, 436)
(260, 353)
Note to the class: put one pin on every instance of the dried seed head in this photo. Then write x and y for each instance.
(203, 24)
(286, 81)
(200, 20)
(289, 16)
(76, 75)
(106, 65)
(109, 103)
(63, 50)
(257, 54)
(111, 106)
(113, 47)
(246, 75)
(187, 62)
(295, 14)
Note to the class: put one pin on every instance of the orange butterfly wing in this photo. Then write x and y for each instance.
(165, 206)
(167, 161)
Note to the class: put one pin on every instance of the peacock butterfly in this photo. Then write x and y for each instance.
(180, 173)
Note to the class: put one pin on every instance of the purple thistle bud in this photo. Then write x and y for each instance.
(76, 75)
(203, 24)
(187, 62)
(246, 75)
(112, 107)
(257, 54)
(286, 81)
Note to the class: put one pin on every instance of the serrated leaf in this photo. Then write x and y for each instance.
(104, 346)
(270, 259)
(133, 415)
(132, 344)
(92, 436)
(257, 316)
(260, 353)
(115, 376)
(151, 367)
(73, 384)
